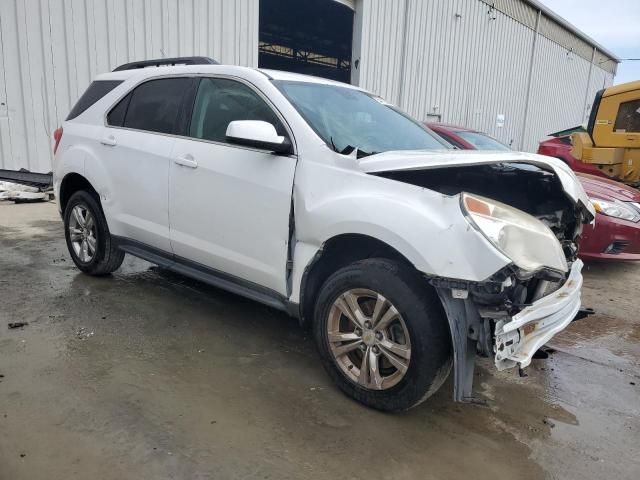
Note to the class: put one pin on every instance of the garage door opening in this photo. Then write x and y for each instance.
(312, 37)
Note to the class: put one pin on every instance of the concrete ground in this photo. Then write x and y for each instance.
(148, 375)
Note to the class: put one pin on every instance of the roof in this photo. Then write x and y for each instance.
(572, 28)
(212, 69)
(622, 88)
(568, 131)
(299, 77)
(448, 126)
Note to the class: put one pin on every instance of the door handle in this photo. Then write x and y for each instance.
(109, 141)
(186, 161)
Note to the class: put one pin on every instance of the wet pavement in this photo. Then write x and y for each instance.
(146, 374)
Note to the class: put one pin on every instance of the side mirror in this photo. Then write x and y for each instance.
(257, 134)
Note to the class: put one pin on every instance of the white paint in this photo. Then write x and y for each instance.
(137, 200)
(255, 130)
(545, 317)
(231, 213)
(420, 160)
(347, 3)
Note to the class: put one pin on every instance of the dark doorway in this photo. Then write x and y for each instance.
(311, 37)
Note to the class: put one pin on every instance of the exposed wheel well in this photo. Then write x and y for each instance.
(336, 253)
(71, 184)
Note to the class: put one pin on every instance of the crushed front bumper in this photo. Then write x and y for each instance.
(517, 339)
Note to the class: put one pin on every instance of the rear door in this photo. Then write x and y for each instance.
(137, 144)
(229, 205)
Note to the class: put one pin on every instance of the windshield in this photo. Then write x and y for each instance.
(348, 119)
(482, 141)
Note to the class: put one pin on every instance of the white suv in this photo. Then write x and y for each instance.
(314, 197)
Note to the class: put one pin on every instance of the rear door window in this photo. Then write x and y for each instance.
(153, 106)
(95, 92)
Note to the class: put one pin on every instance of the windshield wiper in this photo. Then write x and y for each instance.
(348, 150)
(335, 149)
(362, 154)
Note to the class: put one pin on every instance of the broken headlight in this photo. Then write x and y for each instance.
(528, 242)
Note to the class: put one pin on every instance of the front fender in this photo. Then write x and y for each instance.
(426, 227)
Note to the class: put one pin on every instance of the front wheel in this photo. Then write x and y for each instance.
(382, 334)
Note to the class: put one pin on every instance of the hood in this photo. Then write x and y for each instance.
(421, 160)
(608, 189)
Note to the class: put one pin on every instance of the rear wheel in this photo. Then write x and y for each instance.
(382, 334)
(87, 235)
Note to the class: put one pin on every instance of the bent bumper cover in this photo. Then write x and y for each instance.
(518, 339)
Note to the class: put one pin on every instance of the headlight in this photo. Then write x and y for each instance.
(528, 242)
(615, 209)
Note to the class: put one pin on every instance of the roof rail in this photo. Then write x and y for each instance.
(160, 62)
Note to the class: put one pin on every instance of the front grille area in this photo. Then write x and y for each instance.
(616, 247)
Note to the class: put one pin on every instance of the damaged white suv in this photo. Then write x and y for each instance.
(314, 197)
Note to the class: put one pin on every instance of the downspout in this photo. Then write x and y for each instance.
(613, 75)
(528, 95)
(356, 42)
(586, 93)
(403, 52)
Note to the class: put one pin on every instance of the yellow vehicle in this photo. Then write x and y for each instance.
(612, 139)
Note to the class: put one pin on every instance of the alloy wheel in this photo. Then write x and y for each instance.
(369, 339)
(82, 233)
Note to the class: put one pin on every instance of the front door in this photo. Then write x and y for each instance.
(229, 206)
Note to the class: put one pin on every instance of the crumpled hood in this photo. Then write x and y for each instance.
(423, 159)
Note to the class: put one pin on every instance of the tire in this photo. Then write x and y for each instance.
(106, 257)
(420, 317)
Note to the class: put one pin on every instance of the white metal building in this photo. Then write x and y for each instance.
(511, 68)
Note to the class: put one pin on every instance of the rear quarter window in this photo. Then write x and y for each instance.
(116, 116)
(95, 92)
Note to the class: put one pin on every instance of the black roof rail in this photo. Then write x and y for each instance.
(162, 62)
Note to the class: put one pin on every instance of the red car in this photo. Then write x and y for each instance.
(559, 146)
(616, 234)
(465, 138)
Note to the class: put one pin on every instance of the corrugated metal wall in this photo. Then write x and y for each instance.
(381, 57)
(463, 61)
(467, 63)
(558, 87)
(51, 49)
(476, 69)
